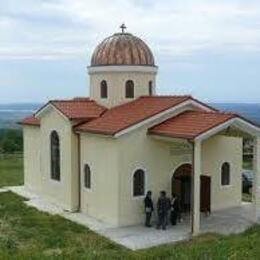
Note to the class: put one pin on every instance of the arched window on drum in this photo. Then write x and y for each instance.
(129, 89)
(103, 89)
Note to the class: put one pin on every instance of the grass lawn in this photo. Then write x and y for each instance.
(26, 233)
(11, 170)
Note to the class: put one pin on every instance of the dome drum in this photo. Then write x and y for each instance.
(117, 60)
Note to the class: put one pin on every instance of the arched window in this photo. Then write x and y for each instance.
(103, 89)
(129, 89)
(150, 85)
(139, 183)
(225, 174)
(55, 156)
(87, 176)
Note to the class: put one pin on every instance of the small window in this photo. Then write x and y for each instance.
(225, 174)
(139, 183)
(129, 89)
(150, 88)
(87, 176)
(55, 155)
(103, 89)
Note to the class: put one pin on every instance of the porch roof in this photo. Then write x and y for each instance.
(193, 124)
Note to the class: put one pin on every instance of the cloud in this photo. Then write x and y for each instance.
(72, 28)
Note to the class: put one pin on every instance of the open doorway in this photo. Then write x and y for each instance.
(181, 185)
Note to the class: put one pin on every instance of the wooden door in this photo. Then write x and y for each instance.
(205, 191)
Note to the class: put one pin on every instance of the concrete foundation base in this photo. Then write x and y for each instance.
(229, 221)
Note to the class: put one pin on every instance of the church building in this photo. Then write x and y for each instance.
(99, 155)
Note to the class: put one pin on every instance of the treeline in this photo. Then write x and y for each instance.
(11, 141)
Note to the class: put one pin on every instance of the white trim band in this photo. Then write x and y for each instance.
(122, 68)
(237, 122)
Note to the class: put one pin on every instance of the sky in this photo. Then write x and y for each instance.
(209, 49)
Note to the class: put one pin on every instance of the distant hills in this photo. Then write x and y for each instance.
(10, 114)
(20, 106)
(250, 111)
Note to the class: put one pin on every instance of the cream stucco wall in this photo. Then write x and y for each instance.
(216, 151)
(113, 161)
(32, 171)
(102, 200)
(160, 159)
(65, 191)
(116, 86)
(137, 150)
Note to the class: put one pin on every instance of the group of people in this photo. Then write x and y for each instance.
(167, 208)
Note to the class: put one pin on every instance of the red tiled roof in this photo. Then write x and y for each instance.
(31, 120)
(79, 108)
(190, 124)
(121, 117)
(75, 109)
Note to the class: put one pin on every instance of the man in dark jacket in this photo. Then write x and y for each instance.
(163, 206)
(148, 205)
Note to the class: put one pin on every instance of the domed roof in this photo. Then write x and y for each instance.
(122, 49)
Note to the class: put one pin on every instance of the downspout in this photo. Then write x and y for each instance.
(192, 184)
(79, 173)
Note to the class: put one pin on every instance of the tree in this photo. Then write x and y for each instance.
(11, 141)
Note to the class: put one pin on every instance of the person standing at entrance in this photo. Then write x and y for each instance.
(163, 207)
(148, 205)
(175, 209)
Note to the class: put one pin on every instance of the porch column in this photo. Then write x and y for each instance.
(196, 188)
(256, 183)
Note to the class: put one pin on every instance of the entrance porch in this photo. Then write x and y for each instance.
(209, 186)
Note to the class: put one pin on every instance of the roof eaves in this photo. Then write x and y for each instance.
(25, 123)
(248, 120)
(214, 126)
(104, 133)
(60, 110)
(41, 108)
(51, 103)
(180, 136)
(204, 104)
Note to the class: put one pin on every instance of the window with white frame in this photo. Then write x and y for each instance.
(225, 174)
(139, 183)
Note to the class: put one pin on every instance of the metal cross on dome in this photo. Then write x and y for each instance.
(123, 27)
